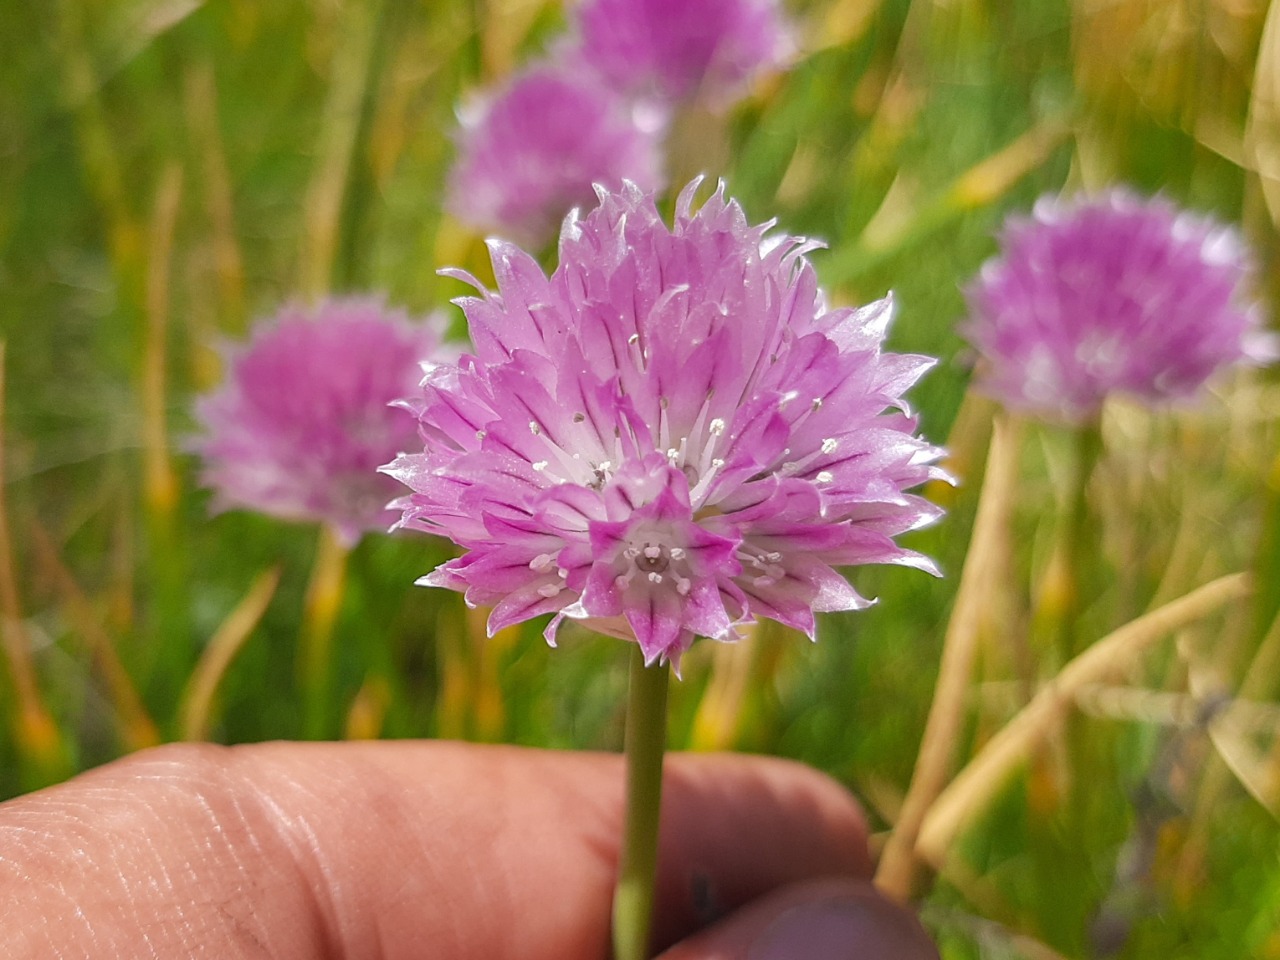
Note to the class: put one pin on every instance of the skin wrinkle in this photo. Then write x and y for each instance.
(232, 825)
(207, 827)
(304, 853)
(407, 843)
(311, 909)
(185, 787)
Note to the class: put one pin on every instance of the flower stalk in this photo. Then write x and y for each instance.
(644, 745)
(1079, 543)
(323, 601)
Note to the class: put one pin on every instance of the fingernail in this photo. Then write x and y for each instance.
(846, 928)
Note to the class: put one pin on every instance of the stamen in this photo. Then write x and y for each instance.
(653, 558)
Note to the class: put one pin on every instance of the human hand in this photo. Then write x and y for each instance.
(432, 849)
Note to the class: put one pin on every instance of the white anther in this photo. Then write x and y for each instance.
(829, 445)
(676, 553)
(535, 428)
(549, 590)
(540, 466)
(824, 476)
(716, 427)
(655, 578)
(540, 562)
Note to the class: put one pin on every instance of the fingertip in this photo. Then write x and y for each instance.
(814, 920)
(735, 827)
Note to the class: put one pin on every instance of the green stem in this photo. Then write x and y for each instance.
(1080, 545)
(645, 741)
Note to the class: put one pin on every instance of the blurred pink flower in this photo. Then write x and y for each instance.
(670, 436)
(673, 50)
(303, 420)
(1112, 294)
(530, 153)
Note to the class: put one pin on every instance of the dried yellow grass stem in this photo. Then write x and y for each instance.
(137, 729)
(982, 569)
(161, 484)
(35, 731)
(200, 97)
(326, 193)
(230, 637)
(978, 783)
(1262, 136)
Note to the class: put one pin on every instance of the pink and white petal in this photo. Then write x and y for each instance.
(656, 618)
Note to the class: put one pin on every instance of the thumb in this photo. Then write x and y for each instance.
(816, 920)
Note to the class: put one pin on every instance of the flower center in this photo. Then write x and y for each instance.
(652, 557)
(653, 561)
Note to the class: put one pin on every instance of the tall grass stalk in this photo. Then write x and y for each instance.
(350, 78)
(981, 779)
(42, 750)
(137, 729)
(980, 578)
(198, 699)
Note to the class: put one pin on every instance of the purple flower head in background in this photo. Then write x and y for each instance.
(530, 153)
(673, 50)
(303, 420)
(1112, 294)
(670, 436)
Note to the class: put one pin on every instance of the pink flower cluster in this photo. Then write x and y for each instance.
(597, 110)
(1114, 294)
(669, 436)
(304, 418)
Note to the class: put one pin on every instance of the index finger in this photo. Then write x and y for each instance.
(396, 849)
